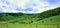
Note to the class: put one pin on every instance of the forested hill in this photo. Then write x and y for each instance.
(28, 18)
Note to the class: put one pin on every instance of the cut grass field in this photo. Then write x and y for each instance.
(51, 22)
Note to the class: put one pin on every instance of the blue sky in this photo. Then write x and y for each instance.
(28, 6)
(53, 1)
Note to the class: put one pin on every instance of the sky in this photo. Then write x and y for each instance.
(27, 6)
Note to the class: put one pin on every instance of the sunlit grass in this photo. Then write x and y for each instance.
(51, 22)
(8, 25)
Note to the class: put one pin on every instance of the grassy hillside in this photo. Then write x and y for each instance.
(28, 18)
(50, 20)
(47, 19)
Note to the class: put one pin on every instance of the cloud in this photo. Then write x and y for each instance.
(25, 6)
(48, 5)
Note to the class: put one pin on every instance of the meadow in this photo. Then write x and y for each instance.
(47, 19)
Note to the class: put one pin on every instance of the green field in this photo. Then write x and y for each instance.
(28, 26)
(47, 19)
(51, 22)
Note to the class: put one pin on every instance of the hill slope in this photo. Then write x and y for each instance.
(50, 20)
(47, 19)
(28, 18)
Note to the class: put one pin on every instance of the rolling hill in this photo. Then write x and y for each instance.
(47, 19)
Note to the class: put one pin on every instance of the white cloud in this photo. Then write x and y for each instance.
(37, 5)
